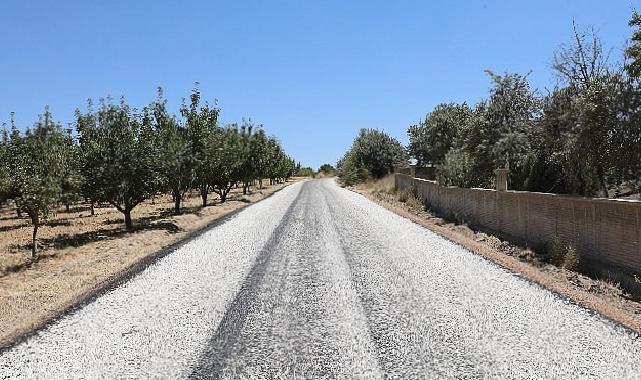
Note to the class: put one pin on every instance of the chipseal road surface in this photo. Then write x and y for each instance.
(319, 282)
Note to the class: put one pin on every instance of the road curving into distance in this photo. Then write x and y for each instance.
(319, 282)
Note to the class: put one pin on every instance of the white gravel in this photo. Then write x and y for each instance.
(155, 325)
(319, 282)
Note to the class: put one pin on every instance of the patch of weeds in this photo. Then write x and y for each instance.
(405, 194)
(564, 255)
(413, 202)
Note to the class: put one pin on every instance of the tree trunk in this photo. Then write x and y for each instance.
(177, 198)
(223, 196)
(19, 212)
(260, 183)
(128, 223)
(204, 192)
(66, 207)
(93, 211)
(34, 247)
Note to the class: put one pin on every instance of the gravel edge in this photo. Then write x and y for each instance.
(121, 277)
(529, 272)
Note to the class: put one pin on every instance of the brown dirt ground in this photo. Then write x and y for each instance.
(80, 254)
(606, 298)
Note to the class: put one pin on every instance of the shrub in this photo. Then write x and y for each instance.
(563, 255)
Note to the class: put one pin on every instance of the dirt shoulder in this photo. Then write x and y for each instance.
(605, 298)
(82, 255)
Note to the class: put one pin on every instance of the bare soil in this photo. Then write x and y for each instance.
(80, 254)
(606, 298)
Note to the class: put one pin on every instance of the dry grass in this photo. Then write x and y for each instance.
(383, 185)
(80, 253)
(564, 256)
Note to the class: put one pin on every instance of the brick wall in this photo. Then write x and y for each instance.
(604, 232)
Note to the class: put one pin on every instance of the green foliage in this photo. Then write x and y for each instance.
(122, 157)
(201, 123)
(173, 162)
(430, 140)
(583, 137)
(118, 156)
(305, 172)
(458, 169)
(633, 51)
(327, 169)
(373, 154)
(350, 170)
(225, 149)
(38, 167)
(5, 177)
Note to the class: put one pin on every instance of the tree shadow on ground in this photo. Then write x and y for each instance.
(57, 223)
(239, 198)
(12, 227)
(77, 240)
(164, 213)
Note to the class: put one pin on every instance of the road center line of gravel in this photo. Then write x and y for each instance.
(218, 349)
(302, 280)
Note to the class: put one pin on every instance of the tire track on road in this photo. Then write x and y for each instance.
(299, 313)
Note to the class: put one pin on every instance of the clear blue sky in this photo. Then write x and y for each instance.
(313, 72)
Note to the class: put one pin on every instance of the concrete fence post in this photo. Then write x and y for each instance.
(501, 179)
(413, 171)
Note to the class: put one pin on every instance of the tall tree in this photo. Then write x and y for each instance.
(5, 177)
(225, 150)
(373, 154)
(431, 139)
(38, 165)
(117, 152)
(583, 65)
(202, 120)
(173, 152)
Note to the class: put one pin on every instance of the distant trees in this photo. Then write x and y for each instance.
(373, 154)
(327, 169)
(122, 157)
(305, 172)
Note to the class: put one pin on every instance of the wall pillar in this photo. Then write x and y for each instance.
(501, 179)
(413, 171)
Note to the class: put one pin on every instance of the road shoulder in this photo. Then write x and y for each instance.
(597, 296)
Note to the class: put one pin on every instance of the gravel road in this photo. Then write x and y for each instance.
(318, 282)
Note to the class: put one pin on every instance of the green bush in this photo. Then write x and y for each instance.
(373, 154)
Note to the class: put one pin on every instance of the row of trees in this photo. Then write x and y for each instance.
(582, 137)
(119, 156)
